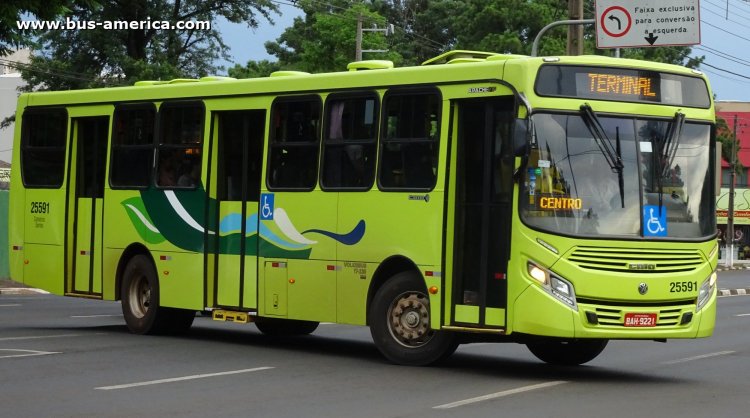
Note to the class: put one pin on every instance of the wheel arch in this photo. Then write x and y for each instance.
(131, 251)
(388, 268)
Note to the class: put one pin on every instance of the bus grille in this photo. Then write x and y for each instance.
(635, 260)
(666, 317)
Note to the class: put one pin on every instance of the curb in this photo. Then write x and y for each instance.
(22, 291)
(734, 292)
(733, 268)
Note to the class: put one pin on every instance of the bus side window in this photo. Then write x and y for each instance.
(132, 146)
(180, 145)
(409, 140)
(349, 142)
(43, 147)
(293, 154)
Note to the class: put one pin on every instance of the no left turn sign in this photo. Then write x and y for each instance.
(616, 21)
(646, 23)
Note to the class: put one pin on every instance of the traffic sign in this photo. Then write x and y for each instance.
(645, 23)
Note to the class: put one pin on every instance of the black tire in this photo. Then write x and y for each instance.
(140, 302)
(567, 352)
(285, 327)
(400, 323)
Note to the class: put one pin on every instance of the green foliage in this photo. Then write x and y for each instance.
(13, 10)
(254, 69)
(323, 40)
(73, 59)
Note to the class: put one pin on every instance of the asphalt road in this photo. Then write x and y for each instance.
(73, 357)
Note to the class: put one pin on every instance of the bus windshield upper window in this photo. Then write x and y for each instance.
(295, 129)
(43, 148)
(132, 146)
(409, 140)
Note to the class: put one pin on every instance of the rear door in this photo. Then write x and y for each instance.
(239, 146)
(86, 207)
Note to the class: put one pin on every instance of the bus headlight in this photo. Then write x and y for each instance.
(705, 292)
(553, 284)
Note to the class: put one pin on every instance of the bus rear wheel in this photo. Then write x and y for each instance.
(140, 302)
(567, 352)
(400, 323)
(285, 327)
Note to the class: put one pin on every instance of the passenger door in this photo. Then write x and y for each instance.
(85, 212)
(239, 148)
(482, 186)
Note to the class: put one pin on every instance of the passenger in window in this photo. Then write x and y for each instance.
(190, 173)
(167, 174)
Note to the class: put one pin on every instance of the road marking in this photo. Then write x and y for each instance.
(499, 394)
(8, 305)
(180, 379)
(685, 360)
(744, 314)
(48, 336)
(29, 353)
(94, 316)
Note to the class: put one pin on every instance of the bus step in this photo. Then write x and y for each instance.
(231, 316)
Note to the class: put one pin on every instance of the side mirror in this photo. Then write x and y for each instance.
(521, 138)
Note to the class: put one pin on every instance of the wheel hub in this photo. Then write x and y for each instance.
(409, 319)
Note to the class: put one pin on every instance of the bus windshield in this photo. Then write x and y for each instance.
(631, 178)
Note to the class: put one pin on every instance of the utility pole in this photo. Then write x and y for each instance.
(730, 211)
(358, 54)
(575, 32)
(388, 30)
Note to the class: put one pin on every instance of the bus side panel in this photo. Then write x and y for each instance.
(122, 227)
(411, 227)
(44, 228)
(180, 279)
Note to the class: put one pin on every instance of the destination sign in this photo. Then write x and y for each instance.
(622, 84)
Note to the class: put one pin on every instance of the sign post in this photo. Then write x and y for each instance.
(646, 23)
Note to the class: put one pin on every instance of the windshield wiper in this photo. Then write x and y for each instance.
(668, 150)
(611, 154)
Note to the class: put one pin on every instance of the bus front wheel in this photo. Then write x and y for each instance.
(400, 323)
(140, 302)
(567, 352)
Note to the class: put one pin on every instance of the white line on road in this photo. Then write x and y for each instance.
(29, 353)
(93, 316)
(179, 379)
(709, 355)
(39, 337)
(9, 305)
(499, 394)
(744, 314)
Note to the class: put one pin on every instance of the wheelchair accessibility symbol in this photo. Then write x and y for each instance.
(266, 206)
(654, 221)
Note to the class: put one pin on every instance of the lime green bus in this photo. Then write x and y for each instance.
(557, 202)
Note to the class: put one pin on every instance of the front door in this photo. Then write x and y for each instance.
(483, 190)
(85, 212)
(239, 147)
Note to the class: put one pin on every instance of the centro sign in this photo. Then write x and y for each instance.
(644, 23)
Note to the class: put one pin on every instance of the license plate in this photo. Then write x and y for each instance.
(640, 320)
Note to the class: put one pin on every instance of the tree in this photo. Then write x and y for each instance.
(254, 69)
(324, 40)
(71, 59)
(11, 11)
(428, 28)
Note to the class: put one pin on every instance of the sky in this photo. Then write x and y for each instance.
(725, 42)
